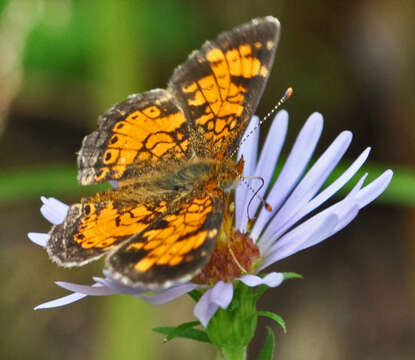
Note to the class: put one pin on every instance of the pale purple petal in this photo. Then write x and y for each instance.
(359, 197)
(367, 194)
(338, 209)
(40, 239)
(317, 228)
(53, 210)
(371, 191)
(107, 274)
(222, 294)
(347, 209)
(248, 149)
(271, 152)
(170, 294)
(251, 280)
(249, 146)
(265, 167)
(114, 184)
(345, 216)
(205, 309)
(93, 290)
(65, 300)
(306, 189)
(273, 279)
(292, 171)
(120, 288)
(329, 191)
(307, 231)
(346, 219)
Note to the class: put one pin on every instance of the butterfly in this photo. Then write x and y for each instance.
(169, 152)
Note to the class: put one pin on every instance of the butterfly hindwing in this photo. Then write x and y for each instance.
(99, 224)
(173, 248)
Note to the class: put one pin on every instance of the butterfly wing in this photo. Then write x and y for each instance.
(100, 224)
(219, 86)
(175, 247)
(137, 136)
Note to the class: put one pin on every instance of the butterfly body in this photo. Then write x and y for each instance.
(169, 151)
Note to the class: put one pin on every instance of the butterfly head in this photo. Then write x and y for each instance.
(228, 174)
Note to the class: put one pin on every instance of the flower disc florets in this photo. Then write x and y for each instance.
(230, 260)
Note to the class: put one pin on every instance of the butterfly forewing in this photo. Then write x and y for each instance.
(219, 86)
(136, 137)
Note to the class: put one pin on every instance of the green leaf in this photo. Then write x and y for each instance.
(278, 319)
(267, 352)
(183, 331)
(291, 275)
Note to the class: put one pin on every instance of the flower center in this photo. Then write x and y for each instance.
(234, 255)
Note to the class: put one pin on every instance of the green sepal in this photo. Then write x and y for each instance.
(278, 319)
(292, 275)
(184, 330)
(232, 329)
(268, 350)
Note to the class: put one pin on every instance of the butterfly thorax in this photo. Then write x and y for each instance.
(224, 174)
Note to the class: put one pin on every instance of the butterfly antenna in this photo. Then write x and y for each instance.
(255, 192)
(284, 98)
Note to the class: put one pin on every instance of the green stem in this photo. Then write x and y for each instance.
(236, 353)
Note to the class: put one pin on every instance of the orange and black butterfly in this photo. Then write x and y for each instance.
(170, 152)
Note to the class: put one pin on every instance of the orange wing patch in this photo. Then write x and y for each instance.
(103, 227)
(136, 136)
(169, 245)
(180, 241)
(241, 62)
(141, 141)
(219, 86)
(94, 228)
(220, 95)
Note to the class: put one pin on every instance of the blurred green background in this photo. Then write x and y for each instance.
(63, 62)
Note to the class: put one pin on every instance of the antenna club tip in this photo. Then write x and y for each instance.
(268, 207)
(288, 92)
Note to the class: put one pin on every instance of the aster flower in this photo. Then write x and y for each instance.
(256, 243)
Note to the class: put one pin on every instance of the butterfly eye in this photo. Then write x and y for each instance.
(177, 187)
(227, 183)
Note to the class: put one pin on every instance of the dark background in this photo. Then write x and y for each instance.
(63, 62)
